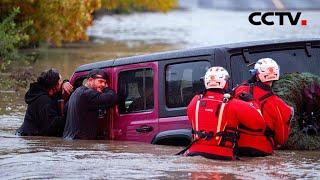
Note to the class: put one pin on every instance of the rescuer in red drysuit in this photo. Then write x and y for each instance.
(215, 118)
(276, 112)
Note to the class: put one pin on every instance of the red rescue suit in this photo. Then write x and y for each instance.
(215, 124)
(276, 113)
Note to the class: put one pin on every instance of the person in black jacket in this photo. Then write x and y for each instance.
(87, 105)
(42, 117)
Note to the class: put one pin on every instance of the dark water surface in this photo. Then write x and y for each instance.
(127, 35)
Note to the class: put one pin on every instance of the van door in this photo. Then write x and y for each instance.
(180, 82)
(136, 116)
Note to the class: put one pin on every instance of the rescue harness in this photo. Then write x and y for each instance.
(228, 134)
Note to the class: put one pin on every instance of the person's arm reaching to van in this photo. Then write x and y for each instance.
(107, 98)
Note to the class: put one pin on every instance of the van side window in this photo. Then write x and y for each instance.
(135, 90)
(183, 82)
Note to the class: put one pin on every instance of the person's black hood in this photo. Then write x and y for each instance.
(34, 92)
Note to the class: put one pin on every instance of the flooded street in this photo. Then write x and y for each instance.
(39, 157)
(43, 157)
(128, 35)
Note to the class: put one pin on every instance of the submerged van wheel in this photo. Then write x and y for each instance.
(177, 137)
(302, 91)
(174, 141)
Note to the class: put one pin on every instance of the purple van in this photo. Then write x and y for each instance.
(155, 89)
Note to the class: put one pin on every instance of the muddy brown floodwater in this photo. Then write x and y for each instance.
(45, 158)
(127, 35)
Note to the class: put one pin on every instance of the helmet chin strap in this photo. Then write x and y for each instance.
(269, 83)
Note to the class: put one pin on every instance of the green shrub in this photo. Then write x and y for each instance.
(58, 21)
(55, 21)
(12, 36)
(302, 92)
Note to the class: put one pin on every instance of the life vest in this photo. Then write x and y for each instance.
(276, 114)
(215, 123)
(214, 134)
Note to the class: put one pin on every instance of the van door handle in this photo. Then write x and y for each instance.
(144, 129)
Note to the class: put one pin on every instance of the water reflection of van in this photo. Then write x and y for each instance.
(155, 89)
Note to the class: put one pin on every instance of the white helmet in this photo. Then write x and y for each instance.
(267, 69)
(216, 77)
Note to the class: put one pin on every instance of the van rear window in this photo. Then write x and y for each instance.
(289, 60)
(183, 82)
